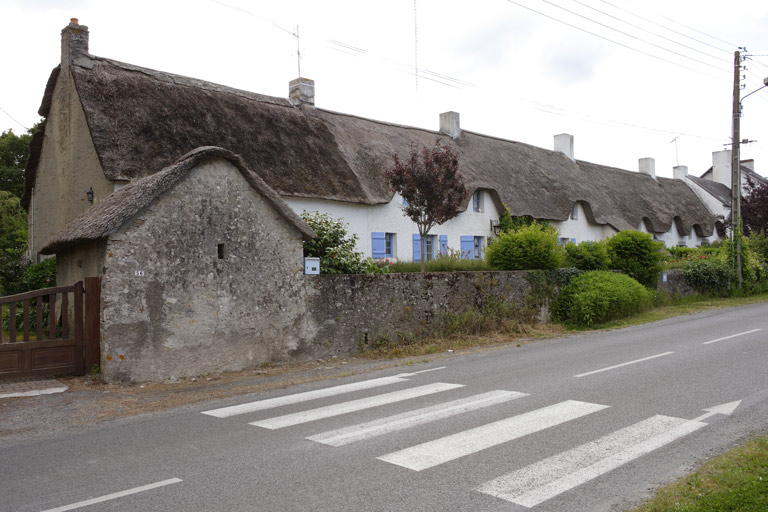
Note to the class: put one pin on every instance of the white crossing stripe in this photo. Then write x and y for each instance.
(623, 364)
(352, 406)
(547, 478)
(280, 401)
(439, 451)
(102, 499)
(410, 419)
(731, 336)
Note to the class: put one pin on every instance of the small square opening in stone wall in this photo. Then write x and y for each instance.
(221, 251)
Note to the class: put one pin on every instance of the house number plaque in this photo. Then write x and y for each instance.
(138, 273)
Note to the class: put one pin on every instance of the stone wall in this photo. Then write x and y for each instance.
(351, 311)
(674, 284)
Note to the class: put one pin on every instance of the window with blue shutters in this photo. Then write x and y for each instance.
(467, 247)
(443, 244)
(382, 245)
(429, 247)
(478, 248)
(477, 201)
(378, 245)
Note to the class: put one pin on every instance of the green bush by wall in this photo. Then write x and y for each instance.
(532, 247)
(599, 296)
(636, 254)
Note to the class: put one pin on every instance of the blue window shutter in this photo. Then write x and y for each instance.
(378, 245)
(468, 247)
(416, 248)
(573, 240)
(443, 244)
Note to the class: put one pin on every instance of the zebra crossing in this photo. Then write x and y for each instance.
(527, 486)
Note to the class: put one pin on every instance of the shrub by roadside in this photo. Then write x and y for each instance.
(599, 296)
(532, 247)
(637, 255)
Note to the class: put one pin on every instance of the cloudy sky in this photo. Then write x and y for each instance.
(628, 78)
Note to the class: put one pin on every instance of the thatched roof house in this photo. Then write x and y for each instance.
(138, 121)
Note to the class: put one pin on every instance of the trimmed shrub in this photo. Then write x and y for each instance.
(588, 256)
(599, 296)
(532, 247)
(708, 275)
(334, 247)
(637, 255)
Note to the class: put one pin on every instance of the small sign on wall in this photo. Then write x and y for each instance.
(663, 277)
(311, 265)
(138, 273)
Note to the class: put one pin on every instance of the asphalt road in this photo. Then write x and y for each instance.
(584, 423)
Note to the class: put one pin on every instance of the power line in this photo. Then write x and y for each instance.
(673, 30)
(630, 35)
(648, 31)
(13, 118)
(613, 41)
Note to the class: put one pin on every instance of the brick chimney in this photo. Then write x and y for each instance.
(449, 124)
(564, 144)
(721, 167)
(301, 91)
(680, 172)
(74, 40)
(648, 166)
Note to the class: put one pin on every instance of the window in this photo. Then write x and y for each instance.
(563, 240)
(383, 245)
(429, 247)
(477, 201)
(478, 248)
(443, 249)
(472, 247)
(575, 211)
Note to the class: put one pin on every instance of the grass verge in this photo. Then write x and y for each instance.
(735, 481)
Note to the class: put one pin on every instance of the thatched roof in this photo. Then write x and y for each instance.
(717, 190)
(141, 120)
(113, 211)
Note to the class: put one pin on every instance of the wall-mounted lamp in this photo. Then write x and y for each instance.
(89, 194)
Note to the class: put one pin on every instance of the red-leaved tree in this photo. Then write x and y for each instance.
(431, 185)
(754, 208)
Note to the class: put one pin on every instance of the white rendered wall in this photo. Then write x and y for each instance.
(581, 229)
(363, 220)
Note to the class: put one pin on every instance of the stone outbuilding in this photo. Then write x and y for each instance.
(167, 247)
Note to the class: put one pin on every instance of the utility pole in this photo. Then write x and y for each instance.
(736, 164)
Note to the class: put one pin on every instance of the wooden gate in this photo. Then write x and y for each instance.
(53, 340)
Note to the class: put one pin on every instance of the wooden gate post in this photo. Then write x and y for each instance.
(92, 322)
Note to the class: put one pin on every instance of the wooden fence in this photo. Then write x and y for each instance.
(59, 329)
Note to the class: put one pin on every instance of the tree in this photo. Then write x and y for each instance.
(13, 242)
(14, 151)
(334, 247)
(754, 208)
(431, 186)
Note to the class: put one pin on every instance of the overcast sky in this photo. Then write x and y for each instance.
(625, 77)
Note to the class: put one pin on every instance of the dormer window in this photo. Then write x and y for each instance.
(477, 201)
(575, 211)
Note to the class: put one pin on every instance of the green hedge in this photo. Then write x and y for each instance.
(597, 297)
(588, 255)
(532, 247)
(637, 255)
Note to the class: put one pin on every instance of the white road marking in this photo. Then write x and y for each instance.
(547, 478)
(280, 401)
(115, 495)
(623, 364)
(439, 451)
(410, 419)
(731, 336)
(352, 406)
(422, 371)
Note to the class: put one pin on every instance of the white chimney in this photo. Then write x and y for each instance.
(449, 124)
(749, 164)
(721, 167)
(301, 91)
(680, 172)
(648, 166)
(564, 144)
